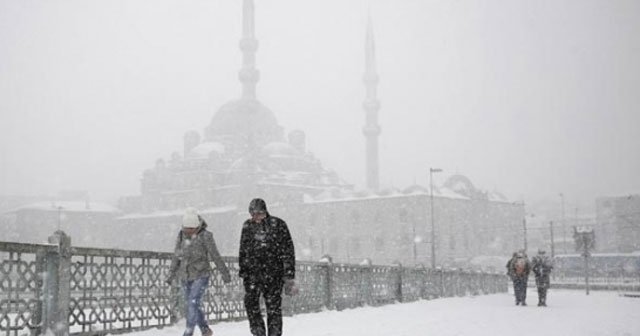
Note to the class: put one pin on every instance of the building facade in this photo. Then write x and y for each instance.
(617, 226)
(243, 153)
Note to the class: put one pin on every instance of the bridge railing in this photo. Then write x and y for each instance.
(68, 290)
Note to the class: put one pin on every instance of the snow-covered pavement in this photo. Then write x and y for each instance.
(569, 313)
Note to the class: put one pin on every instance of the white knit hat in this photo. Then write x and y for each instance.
(190, 218)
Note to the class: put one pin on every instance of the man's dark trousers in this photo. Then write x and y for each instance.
(271, 290)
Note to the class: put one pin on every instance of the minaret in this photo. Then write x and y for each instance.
(371, 106)
(248, 75)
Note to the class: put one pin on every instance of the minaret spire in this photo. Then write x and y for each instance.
(248, 75)
(371, 106)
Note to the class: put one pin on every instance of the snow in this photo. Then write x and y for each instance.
(569, 313)
(70, 206)
(178, 213)
(205, 148)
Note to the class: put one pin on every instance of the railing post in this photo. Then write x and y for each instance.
(423, 279)
(366, 285)
(56, 292)
(41, 268)
(398, 282)
(328, 285)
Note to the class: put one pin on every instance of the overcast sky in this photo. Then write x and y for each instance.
(530, 98)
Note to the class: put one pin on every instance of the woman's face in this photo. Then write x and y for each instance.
(189, 231)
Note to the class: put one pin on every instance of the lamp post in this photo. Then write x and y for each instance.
(524, 226)
(564, 226)
(415, 241)
(524, 229)
(433, 226)
(59, 215)
(553, 252)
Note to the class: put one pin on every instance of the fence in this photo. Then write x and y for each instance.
(66, 290)
(609, 282)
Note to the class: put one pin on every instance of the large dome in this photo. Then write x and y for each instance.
(245, 119)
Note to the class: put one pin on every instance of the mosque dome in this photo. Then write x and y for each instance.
(247, 119)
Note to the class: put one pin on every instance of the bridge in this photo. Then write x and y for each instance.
(570, 313)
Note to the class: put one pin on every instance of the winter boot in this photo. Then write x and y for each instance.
(207, 332)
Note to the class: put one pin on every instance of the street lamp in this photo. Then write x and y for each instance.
(564, 226)
(415, 247)
(433, 227)
(553, 252)
(524, 227)
(59, 215)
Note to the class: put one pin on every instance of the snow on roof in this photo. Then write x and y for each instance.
(177, 213)
(326, 198)
(414, 190)
(292, 185)
(497, 196)
(603, 254)
(279, 149)
(448, 193)
(205, 148)
(70, 206)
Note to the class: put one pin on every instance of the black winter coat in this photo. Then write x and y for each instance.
(266, 250)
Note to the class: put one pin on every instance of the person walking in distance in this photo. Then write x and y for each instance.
(518, 269)
(542, 266)
(195, 248)
(267, 266)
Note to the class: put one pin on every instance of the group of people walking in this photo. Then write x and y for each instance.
(266, 260)
(267, 268)
(518, 269)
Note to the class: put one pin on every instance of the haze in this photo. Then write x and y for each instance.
(529, 98)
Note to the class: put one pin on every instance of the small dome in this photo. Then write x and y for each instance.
(204, 149)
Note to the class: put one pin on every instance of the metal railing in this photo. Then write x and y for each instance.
(611, 282)
(86, 291)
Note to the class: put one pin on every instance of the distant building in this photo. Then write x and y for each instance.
(243, 154)
(617, 226)
(88, 223)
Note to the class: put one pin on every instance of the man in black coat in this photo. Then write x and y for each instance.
(542, 266)
(267, 264)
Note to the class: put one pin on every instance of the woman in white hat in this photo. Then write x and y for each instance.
(195, 248)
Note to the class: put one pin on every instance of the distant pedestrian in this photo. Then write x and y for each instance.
(195, 248)
(518, 268)
(542, 266)
(267, 265)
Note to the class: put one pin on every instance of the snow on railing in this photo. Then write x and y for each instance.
(62, 290)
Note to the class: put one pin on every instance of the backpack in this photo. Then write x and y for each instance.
(519, 266)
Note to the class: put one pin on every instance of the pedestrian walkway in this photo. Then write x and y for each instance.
(569, 313)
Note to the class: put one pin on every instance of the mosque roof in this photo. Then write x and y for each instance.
(247, 118)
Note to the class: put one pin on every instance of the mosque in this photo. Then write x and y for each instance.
(244, 153)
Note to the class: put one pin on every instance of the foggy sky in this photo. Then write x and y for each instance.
(529, 98)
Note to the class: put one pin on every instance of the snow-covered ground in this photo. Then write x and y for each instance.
(569, 313)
